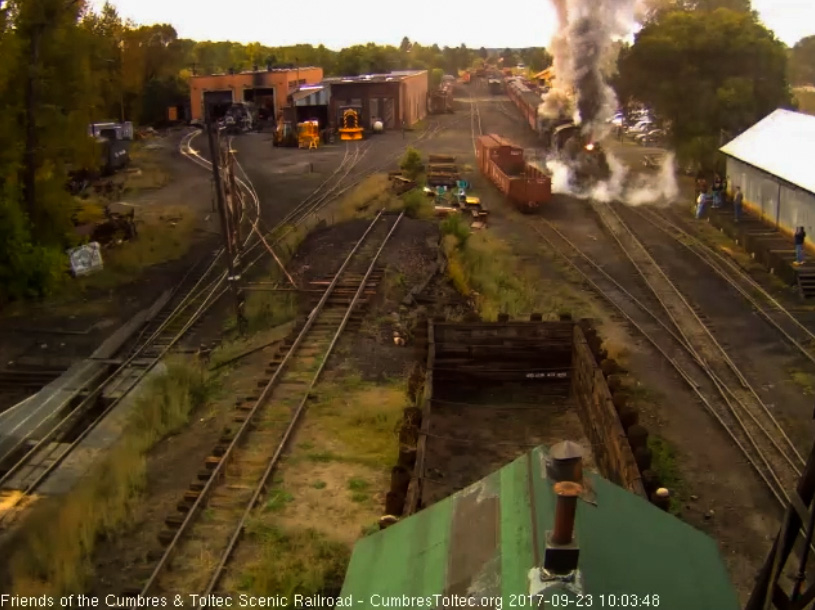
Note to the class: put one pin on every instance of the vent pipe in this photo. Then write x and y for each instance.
(565, 462)
(567, 495)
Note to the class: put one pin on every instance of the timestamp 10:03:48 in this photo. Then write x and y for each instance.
(604, 600)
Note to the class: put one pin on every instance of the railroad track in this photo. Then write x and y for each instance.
(26, 464)
(241, 466)
(764, 303)
(689, 346)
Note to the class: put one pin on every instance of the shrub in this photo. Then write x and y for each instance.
(416, 205)
(411, 163)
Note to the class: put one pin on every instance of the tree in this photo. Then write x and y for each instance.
(482, 53)
(405, 45)
(536, 58)
(802, 62)
(657, 9)
(705, 74)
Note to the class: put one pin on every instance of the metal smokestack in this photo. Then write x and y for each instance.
(567, 495)
(565, 462)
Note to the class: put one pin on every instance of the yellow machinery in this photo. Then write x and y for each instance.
(308, 134)
(350, 129)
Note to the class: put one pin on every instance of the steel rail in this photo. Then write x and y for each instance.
(734, 276)
(682, 372)
(227, 554)
(199, 502)
(100, 386)
(750, 403)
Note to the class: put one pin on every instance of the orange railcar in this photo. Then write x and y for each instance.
(526, 186)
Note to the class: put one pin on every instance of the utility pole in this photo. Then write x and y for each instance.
(233, 278)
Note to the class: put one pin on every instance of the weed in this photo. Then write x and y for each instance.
(805, 380)
(293, 562)
(411, 163)
(278, 499)
(370, 529)
(456, 226)
(417, 205)
(56, 544)
(370, 195)
(664, 463)
(319, 485)
(357, 484)
(149, 175)
(359, 497)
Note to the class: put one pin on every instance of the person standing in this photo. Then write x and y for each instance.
(737, 201)
(799, 237)
(700, 204)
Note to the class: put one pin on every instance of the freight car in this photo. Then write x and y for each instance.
(496, 86)
(503, 163)
(561, 137)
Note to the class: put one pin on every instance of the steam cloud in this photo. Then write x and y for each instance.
(622, 185)
(580, 48)
(586, 29)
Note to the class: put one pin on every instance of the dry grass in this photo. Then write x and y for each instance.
(147, 172)
(56, 542)
(231, 348)
(164, 235)
(367, 198)
(806, 381)
(327, 494)
(484, 267)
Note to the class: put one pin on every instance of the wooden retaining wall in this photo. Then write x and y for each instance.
(414, 490)
(601, 422)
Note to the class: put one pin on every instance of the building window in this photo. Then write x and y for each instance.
(302, 81)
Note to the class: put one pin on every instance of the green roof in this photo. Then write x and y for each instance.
(486, 541)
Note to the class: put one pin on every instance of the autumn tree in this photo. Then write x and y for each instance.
(802, 62)
(706, 74)
(656, 9)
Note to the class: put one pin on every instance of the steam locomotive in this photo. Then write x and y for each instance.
(562, 137)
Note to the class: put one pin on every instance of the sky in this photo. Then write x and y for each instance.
(522, 23)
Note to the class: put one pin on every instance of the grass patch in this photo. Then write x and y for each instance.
(418, 205)
(362, 419)
(805, 96)
(483, 267)
(56, 543)
(806, 381)
(367, 198)
(163, 235)
(278, 499)
(291, 562)
(231, 349)
(357, 484)
(664, 463)
(319, 484)
(149, 173)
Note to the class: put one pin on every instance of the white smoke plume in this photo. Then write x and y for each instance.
(631, 189)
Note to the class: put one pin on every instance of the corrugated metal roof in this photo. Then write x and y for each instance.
(486, 541)
(779, 144)
(378, 78)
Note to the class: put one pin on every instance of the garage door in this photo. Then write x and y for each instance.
(218, 101)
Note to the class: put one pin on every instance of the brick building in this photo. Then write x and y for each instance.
(269, 89)
(392, 98)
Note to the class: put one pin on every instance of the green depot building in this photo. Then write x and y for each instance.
(520, 539)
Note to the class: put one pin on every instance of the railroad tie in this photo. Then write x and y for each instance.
(174, 521)
(204, 475)
(211, 462)
(263, 383)
(165, 536)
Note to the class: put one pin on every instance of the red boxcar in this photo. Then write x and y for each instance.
(503, 163)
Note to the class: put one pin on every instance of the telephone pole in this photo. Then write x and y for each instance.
(229, 250)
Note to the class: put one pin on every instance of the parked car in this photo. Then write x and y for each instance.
(652, 136)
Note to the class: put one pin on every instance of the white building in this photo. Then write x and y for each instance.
(774, 165)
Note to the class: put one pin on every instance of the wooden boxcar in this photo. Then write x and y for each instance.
(503, 163)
